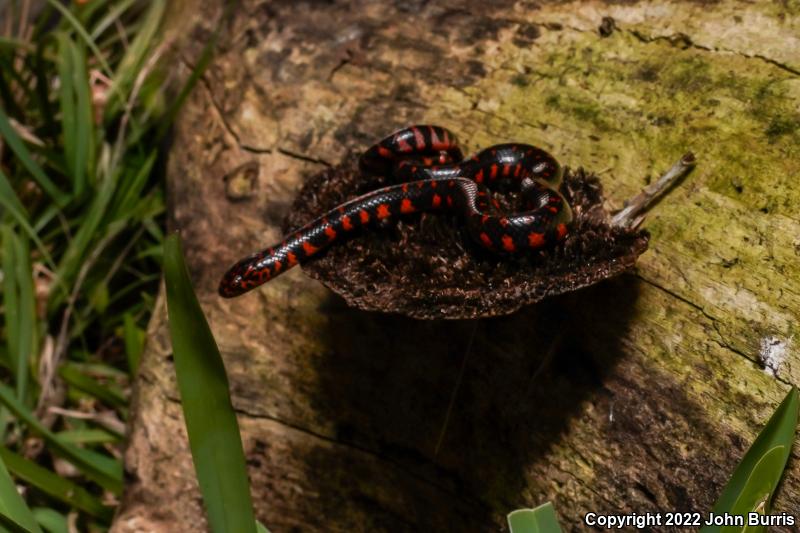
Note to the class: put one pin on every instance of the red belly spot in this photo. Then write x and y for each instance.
(508, 243)
(506, 169)
(486, 240)
(517, 170)
(384, 152)
(364, 216)
(346, 224)
(291, 258)
(493, 172)
(449, 201)
(406, 206)
(278, 267)
(436, 201)
(535, 240)
(309, 249)
(330, 232)
(562, 230)
(383, 211)
(479, 176)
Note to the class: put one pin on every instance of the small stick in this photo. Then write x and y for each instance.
(635, 209)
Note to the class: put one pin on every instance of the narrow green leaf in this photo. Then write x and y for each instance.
(111, 16)
(9, 200)
(210, 419)
(762, 466)
(51, 521)
(134, 341)
(54, 485)
(755, 496)
(75, 23)
(10, 42)
(20, 307)
(136, 54)
(104, 470)
(91, 230)
(542, 519)
(21, 151)
(261, 528)
(81, 381)
(12, 506)
(88, 436)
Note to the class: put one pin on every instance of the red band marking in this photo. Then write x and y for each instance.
(419, 139)
(508, 243)
(436, 201)
(291, 258)
(493, 172)
(406, 206)
(383, 211)
(535, 240)
(562, 230)
(330, 232)
(486, 240)
(346, 224)
(364, 216)
(384, 152)
(309, 249)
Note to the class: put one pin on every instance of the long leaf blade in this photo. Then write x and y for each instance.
(766, 458)
(542, 519)
(210, 419)
(12, 506)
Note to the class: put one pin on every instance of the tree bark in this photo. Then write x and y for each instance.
(639, 394)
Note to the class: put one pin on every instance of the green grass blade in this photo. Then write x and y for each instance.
(51, 520)
(74, 377)
(137, 52)
(762, 467)
(90, 231)
(66, 97)
(756, 494)
(22, 153)
(133, 336)
(104, 470)
(88, 436)
(12, 507)
(76, 111)
(75, 23)
(10, 42)
(54, 485)
(111, 16)
(261, 528)
(20, 307)
(542, 519)
(9, 200)
(10, 297)
(210, 419)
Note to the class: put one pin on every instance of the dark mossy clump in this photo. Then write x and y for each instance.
(425, 266)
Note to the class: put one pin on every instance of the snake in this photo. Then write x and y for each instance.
(430, 174)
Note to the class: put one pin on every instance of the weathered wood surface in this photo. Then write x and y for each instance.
(637, 395)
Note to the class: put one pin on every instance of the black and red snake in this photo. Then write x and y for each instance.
(435, 177)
